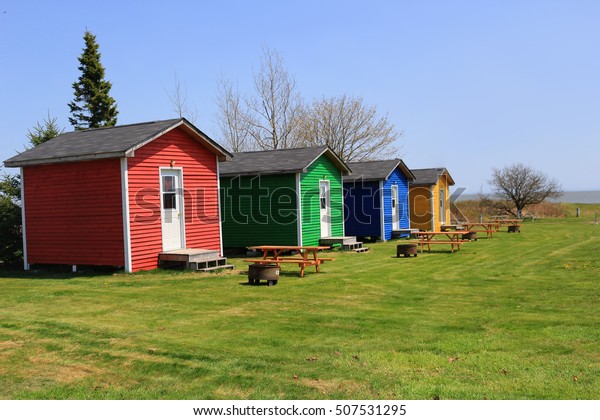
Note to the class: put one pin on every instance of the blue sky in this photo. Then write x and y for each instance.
(473, 84)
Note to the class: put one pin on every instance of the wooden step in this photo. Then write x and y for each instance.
(189, 255)
(194, 259)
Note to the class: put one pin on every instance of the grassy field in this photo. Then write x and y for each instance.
(513, 317)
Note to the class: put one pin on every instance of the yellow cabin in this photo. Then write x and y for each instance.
(429, 198)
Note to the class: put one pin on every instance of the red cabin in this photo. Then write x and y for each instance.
(120, 196)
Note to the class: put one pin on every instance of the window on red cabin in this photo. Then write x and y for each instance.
(169, 195)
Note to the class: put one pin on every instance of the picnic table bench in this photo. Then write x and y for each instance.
(486, 227)
(307, 256)
(514, 225)
(452, 239)
(453, 244)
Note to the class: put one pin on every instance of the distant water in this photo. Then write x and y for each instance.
(583, 197)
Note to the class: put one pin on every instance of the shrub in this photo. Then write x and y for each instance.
(11, 245)
(471, 209)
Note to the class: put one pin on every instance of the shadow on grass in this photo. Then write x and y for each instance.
(57, 272)
(64, 272)
(433, 251)
(282, 274)
(262, 283)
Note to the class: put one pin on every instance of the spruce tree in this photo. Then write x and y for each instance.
(93, 106)
(41, 133)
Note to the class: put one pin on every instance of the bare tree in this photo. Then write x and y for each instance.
(265, 119)
(518, 186)
(352, 129)
(274, 117)
(231, 118)
(179, 101)
(273, 111)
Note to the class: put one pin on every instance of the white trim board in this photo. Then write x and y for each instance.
(219, 205)
(126, 221)
(298, 209)
(23, 224)
(382, 210)
(181, 202)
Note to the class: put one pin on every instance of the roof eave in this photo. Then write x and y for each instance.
(257, 173)
(209, 143)
(406, 171)
(450, 180)
(335, 159)
(421, 184)
(47, 161)
(351, 178)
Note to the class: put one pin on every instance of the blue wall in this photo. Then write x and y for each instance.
(398, 178)
(362, 204)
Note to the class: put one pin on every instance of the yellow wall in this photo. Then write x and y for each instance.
(421, 205)
(442, 184)
(420, 208)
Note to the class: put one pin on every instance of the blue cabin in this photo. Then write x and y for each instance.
(376, 198)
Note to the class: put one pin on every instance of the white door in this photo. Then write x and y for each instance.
(395, 212)
(171, 200)
(325, 205)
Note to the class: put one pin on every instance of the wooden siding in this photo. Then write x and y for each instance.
(423, 200)
(200, 196)
(399, 179)
(362, 208)
(74, 214)
(259, 210)
(420, 208)
(309, 188)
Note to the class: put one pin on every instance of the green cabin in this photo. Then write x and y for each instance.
(282, 197)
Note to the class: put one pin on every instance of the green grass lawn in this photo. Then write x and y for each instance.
(513, 317)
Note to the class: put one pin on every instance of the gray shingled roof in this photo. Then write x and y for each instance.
(108, 142)
(430, 176)
(280, 161)
(377, 170)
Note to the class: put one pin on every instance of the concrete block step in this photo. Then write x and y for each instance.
(218, 267)
(352, 246)
(397, 233)
(333, 240)
(211, 265)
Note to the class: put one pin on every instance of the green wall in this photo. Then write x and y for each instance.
(309, 186)
(259, 210)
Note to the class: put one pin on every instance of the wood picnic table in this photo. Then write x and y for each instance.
(509, 222)
(427, 238)
(488, 227)
(307, 255)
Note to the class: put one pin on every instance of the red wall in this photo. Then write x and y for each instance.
(200, 189)
(73, 213)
